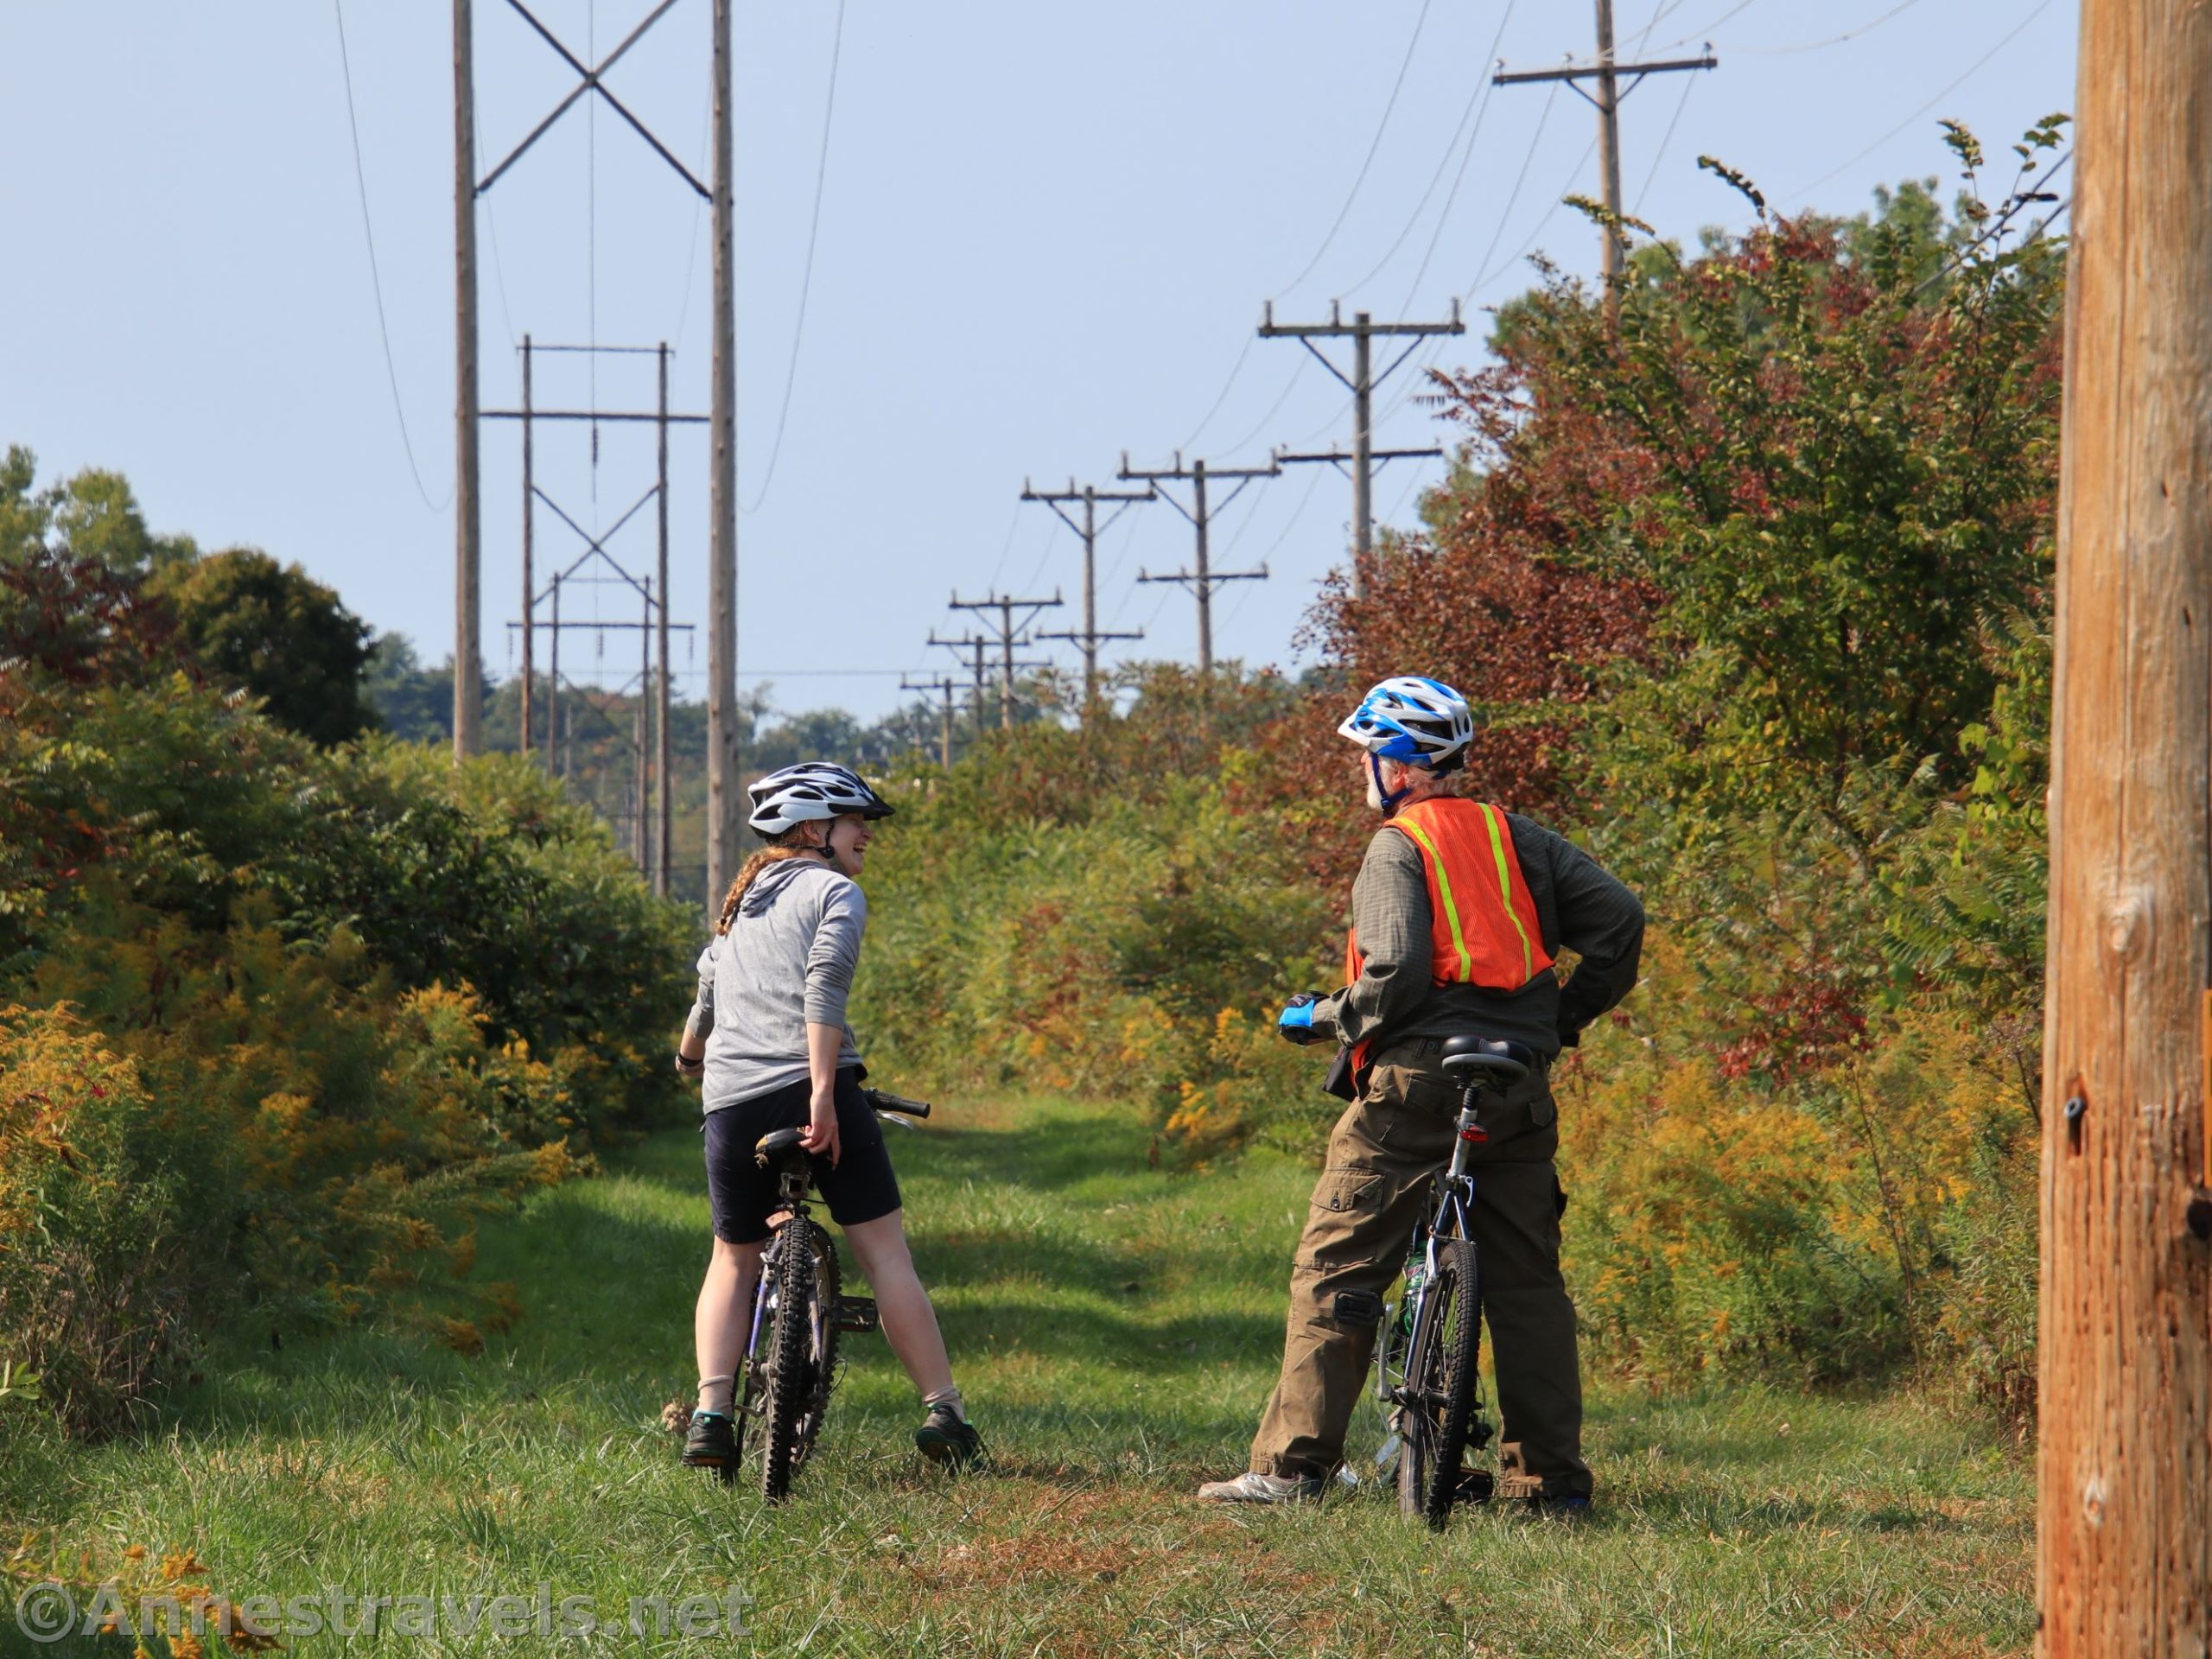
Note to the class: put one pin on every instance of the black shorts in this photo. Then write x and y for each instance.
(741, 1194)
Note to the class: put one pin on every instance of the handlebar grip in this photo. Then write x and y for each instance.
(884, 1100)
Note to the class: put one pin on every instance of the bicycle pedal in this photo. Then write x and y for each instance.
(1474, 1486)
(857, 1313)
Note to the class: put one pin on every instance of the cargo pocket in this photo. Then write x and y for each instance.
(1340, 1223)
(1543, 1111)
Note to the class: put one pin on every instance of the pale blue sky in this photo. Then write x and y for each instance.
(1046, 235)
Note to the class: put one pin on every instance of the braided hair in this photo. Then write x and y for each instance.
(792, 843)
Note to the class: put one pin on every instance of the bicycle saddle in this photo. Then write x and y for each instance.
(773, 1145)
(1501, 1063)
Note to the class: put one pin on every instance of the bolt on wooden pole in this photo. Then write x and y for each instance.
(2124, 1536)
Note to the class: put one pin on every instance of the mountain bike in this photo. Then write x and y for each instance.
(1432, 1336)
(799, 1312)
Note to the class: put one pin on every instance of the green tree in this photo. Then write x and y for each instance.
(276, 631)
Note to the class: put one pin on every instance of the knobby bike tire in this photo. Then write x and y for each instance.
(784, 1368)
(801, 1362)
(1439, 1404)
(822, 1340)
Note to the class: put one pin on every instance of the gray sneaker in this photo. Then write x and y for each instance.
(1256, 1488)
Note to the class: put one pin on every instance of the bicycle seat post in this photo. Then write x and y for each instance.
(1479, 1064)
(1469, 1131)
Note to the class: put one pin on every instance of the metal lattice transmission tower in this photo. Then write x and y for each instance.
(722, 422)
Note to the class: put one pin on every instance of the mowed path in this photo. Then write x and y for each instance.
(1115, 1326)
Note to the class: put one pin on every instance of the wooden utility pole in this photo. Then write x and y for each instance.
(1008, 636)
(642, 844)
(943, 685)
(1202, 578)
(528, 546)
(1607, 73)
(724, 785)
(976, 645)
(1090, 636)
(664, 798)
(2124, 1536)
(468, 519)
(1361, 382)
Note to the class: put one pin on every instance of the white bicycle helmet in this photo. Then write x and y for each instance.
(812, 789)
(1420, 722)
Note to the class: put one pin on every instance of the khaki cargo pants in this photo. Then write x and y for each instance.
(1365, 1207)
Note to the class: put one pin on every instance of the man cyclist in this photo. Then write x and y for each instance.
(1457, 913)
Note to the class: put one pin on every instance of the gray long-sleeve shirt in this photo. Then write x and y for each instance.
(786, 963)
(1579, 905)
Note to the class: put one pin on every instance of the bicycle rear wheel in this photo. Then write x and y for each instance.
(801, 1359)
(1439, 1399)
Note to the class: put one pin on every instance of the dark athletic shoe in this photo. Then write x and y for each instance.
(712, 1443)
(944, 1440)
(1560, 1506)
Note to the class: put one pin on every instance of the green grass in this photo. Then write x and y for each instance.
(1116, 1329)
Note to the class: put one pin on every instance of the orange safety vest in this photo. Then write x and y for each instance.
(1483, 926)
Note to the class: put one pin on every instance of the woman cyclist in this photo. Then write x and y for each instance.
(769, 1039)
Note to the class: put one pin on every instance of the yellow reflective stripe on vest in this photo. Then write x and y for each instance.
(1443, 888)
(1493, 818)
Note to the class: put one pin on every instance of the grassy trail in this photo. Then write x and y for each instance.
(1116, 1328)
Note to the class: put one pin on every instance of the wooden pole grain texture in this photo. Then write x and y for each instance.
(725, 785)
(2124, 1537)
(467, 514)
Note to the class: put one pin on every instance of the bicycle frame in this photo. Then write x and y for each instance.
(788, 1234)
(1455, 1187)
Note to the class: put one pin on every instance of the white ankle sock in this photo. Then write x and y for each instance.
(715, 1394)
(946, 1397)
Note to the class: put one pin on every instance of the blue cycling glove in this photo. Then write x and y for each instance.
(1295, 1022)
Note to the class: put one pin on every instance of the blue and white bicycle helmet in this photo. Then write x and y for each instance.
(812, 789)
(1419, 722)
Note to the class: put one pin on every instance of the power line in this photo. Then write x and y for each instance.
(1275, 408)
(1514, 257)
(698, 212)
(1505, 214)
(1381, 127)
(806, 281)
(1833, 40)
(1013, 524)
(1234, 369)
(1607, 71)
(376, 281)
(1689, 85)
(1706, 33)
(1975, 68)
(499, 266)
(1460, 178)
(1477, 102)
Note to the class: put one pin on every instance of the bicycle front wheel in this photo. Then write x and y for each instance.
(801, 1352)
(1439, 1397)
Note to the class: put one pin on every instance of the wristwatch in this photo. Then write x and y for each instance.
(688, 1066)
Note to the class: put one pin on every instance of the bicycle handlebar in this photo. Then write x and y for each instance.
(883, 1101)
